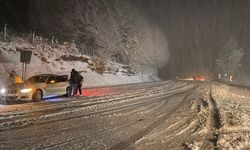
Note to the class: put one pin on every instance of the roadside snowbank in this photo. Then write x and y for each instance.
(234, 106)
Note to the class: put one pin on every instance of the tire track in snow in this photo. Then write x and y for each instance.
(149, 101)
(36, 118)
(42, 106)
(178, 140)
(213, 125)
(159, 99)
(141, 101)
(127, 143)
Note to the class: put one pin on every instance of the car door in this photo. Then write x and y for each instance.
(36, 82)
(56, 86)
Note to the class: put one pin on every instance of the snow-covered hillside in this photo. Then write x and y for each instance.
(60, 58)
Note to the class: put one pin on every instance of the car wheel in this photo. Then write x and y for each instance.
(37, 96)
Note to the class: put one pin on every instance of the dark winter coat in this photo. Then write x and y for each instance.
(73, 77)
(79, 78)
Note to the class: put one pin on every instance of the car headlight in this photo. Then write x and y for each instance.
(26, 90)
(2, 91)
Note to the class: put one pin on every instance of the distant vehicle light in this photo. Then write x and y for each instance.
(198, 78)
(26, 90)
(2, 91)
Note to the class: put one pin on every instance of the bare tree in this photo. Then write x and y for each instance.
(33, 36)
(52, 40)
(5, 32)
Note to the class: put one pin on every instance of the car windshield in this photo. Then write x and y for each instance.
(37, 79)
(58, 79)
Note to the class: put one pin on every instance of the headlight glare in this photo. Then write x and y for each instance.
(26, 90)
(2, 91)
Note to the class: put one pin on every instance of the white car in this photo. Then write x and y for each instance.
(37, 88)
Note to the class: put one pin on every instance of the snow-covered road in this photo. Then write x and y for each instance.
(162, 115)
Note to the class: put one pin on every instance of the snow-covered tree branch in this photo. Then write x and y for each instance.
(229, 60)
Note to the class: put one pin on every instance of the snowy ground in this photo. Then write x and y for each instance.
(60, 59)
(160, 115)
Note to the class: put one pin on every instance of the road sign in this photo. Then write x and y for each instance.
(25, 56)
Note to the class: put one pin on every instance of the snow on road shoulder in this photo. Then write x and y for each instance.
(234, 111)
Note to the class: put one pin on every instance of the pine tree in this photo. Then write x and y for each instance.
(229, 60)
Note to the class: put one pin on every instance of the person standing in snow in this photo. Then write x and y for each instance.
(231, 79)
(79, 83)
(15, 78)
(73, 82)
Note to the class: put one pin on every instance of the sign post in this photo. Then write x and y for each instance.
(25, 58)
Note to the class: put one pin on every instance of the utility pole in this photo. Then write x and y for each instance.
(5, 32)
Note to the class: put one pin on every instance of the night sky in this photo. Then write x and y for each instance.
(14, 13)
